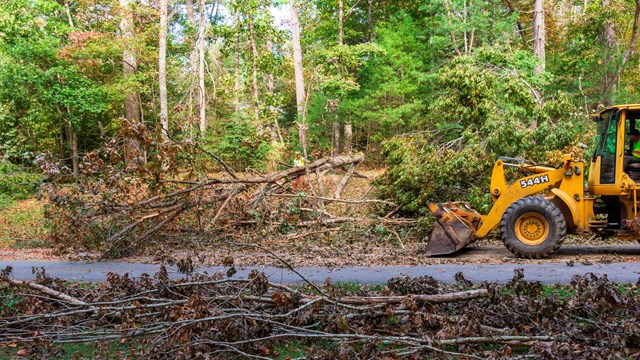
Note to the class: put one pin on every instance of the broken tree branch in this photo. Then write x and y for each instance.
(45, 290)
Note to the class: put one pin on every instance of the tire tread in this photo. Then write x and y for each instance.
(533, 203)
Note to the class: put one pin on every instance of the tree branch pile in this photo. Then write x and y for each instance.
(120, 207)
(214, 316)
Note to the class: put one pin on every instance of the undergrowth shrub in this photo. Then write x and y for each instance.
(487, 107)
(16, 183)
(419, 173)
(241, 144)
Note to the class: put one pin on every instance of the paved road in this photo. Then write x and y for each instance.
(546, 272)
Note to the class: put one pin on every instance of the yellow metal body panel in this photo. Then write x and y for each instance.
(567, 182)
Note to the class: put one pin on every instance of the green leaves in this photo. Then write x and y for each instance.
(340, 65)
(486, 106)
(41, 87)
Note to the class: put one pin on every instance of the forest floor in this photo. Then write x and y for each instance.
(23, 237)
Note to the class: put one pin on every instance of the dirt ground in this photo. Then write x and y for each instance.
(324, 255)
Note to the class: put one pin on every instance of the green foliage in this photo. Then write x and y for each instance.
(459, 73)
(462, 26)
(420, 173)
(42, 87)
(238, 143)
(486, 107)
(391, 98)
(337, 80)
(16, 183)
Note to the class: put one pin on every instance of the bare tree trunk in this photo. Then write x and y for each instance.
(193, 61)
(348, 127)
(68, 11)
(337, 145)
(191, 19)
(254, 64)
(201, 90)
(162, 67)
(236, 85)
(451, 18)
(539, 34)
(299, 77)
(101, 129)
(609, 31)
(607, 87)
(72, 139)
(335, 151)
(464, 21)
(348, 137)
(132, 110)
(297, 59)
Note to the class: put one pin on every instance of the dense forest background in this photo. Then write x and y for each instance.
(434, 90)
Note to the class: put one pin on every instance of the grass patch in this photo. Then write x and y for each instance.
(354, 287)
(562, 291)
(110, 350)
(22, 224)
(289, 350)
(299, 349)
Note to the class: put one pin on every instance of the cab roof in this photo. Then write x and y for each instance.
(621, 106)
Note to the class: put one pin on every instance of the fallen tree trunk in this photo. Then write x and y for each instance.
(45, 290)
(149, 216)
(433, 299)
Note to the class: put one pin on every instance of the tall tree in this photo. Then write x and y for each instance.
(201, 51)
(299, 75)
(194, 97)
(539, 34)
(297, 58)
(132, 106)
(345, 145)
(70, 132)
(254, 64)
(162, 66)
(236, 62)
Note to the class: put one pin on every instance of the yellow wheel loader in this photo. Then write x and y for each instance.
(536, 212)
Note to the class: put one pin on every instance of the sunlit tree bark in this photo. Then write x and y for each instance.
(132, 109)
(539, 34)
(299, 76)
(162, 66)
(201, 90)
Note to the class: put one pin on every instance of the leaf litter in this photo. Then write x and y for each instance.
(211, 316)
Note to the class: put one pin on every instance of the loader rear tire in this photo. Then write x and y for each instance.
(533, 228)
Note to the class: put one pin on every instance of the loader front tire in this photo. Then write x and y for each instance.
(533, 228)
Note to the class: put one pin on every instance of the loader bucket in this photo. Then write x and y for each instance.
(455, 228)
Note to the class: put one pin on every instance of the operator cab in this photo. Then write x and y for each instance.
(613, 162)
(614, 173)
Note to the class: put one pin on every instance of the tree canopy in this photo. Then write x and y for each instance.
(381, 77)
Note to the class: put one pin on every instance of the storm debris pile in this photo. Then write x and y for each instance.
(215, 316)
(122, 211)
